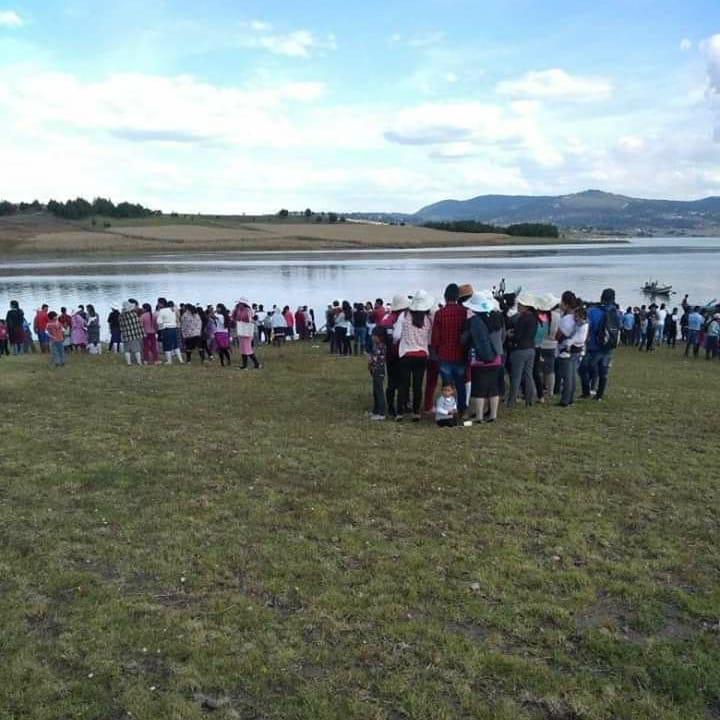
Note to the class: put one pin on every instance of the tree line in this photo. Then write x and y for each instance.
(80, 208)
(517, 230)
(8, 208)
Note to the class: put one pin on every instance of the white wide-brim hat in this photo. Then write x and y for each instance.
(422, 301)
(243, 301)
(399, 302)
(482, 301)
(547, 302)
(528, 300)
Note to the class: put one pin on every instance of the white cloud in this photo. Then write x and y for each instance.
(10, 19)
(686, 44)
(298, 43)
(711, 50)
(556, 84)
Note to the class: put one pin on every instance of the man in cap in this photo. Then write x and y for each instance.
(603, 334)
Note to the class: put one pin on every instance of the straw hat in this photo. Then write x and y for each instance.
(482, 301)
(547, 302)
(243, 301)
(399, 302)
(465, 291)
(528, 299)
(422, 301)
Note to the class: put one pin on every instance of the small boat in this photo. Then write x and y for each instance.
(655, 288)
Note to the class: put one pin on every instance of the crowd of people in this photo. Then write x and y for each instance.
(147, 335)
(482, 348)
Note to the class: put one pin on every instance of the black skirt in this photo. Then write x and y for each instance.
(485, 382)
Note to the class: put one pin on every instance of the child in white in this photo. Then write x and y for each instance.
(446, 407)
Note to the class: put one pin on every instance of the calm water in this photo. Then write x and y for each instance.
(691, 265)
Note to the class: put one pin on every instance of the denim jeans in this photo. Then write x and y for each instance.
(454, 374)
(693, 339)
(567, 378)
(58, 353)
(595, 364)
(378, 385)
(711, 346)
(360, 339)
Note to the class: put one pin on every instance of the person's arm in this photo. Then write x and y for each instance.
(397, 328)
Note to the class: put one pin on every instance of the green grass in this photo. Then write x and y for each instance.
(180, 538)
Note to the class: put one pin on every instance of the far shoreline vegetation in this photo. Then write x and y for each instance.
(544, 230)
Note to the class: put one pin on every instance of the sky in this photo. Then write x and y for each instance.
(232, 106)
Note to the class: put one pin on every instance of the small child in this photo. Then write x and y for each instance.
(376, 366)
(56, 336)
(446, 412)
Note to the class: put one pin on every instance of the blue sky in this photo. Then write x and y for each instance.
(251, 106)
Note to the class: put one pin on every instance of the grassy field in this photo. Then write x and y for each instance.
(193, 542)
(43, 234)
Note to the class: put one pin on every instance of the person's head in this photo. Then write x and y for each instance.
(52, 315)
(146, 307)
(171, 304)
(674, 312)
(568, 301)
(286, 309)
(379, 303)
(44, 307)
(161, 302)
(696, 309)
(465, 292)
(448, 391)
(452, 293)
(629, 309)
(14, 304)
(63, 310)
(336, 303)
(662, 306)
(608, 296)
(91, 310)
(580, 313)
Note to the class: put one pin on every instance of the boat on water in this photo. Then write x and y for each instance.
(655, 288)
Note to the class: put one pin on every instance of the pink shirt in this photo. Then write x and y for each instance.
(148, 323)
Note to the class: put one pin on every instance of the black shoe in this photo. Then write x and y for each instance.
(585, 396)
(598, 398)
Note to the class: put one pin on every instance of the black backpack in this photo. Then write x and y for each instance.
(608, 334)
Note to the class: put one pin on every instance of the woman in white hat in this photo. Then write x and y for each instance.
(485, 359)
(246, 332)
(549, 315)
(412, 331)
(387, 320)
(522, 355)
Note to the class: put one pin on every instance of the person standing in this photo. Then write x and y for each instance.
(40, 326)
(167, 326)
(446, 344)
(486, 363)
(14, 321)
(603, 334)
(522, 356)
(413, 333)
(567, 360)
(377, 367)
(93, 331)
(712, 338)
(245, 327)
(191, 331)
(549, 304)
(78, 331)
(392, 362)
(131, 334)
(360, 325)
(56, 338)
(150, 346)
(694, 328)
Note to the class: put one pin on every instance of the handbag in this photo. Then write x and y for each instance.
(496, 362)
(245, 329)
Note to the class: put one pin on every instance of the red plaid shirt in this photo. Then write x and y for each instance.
(447, 327)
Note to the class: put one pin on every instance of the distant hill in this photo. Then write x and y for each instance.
(592, 209)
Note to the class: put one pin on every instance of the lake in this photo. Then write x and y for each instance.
(691, 265)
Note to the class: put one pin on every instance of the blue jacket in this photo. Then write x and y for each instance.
(596, 319)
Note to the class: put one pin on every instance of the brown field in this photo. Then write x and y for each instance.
(44, 234)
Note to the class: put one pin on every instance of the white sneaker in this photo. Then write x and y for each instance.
(377, 417)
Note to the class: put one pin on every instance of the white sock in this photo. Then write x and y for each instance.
(168, 357)
(178, 354)
(138, 357)
(128, 359)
